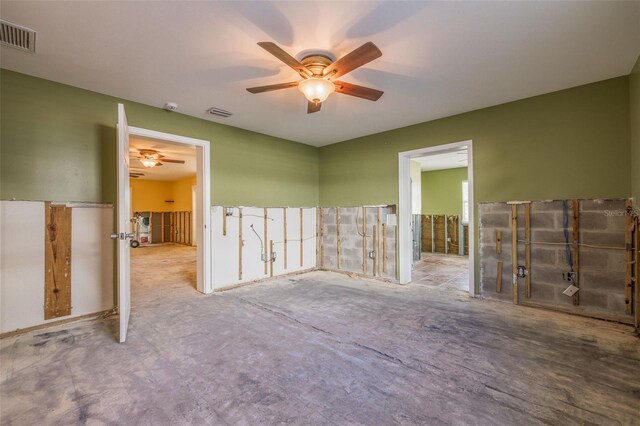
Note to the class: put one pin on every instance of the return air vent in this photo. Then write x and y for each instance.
(16, 36)
(219, 112)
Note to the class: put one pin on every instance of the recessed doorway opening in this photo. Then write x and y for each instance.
(436, 219)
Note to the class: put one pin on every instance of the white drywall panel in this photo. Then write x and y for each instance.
(293, 237)
(275, 233)
(309, 238)
(22, 263)
(252, 265)
(22, 269)
(224, 248)
(91, 260)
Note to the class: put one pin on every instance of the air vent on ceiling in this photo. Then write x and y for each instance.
(16, 36)
(219, 112)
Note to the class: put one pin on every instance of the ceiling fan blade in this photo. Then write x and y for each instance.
(276, 51)
(271, 87)
(358, 91)
(167, 160)
(357, 58)
(313, 107)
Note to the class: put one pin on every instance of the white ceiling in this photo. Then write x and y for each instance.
(446, 160)
(439, 58)
(168, 171)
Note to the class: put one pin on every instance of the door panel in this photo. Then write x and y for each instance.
(124, 225)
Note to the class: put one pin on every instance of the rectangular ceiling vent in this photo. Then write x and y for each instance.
(16, 36)
(219, 112)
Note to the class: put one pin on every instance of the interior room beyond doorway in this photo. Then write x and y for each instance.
(163, 189)
(440, 208)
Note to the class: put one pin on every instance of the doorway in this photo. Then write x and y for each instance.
(194, 228)
(436, 238)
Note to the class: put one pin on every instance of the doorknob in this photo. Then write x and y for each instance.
(123, 236)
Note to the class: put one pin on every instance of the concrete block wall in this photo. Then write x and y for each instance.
(352, 240)
(601, 270)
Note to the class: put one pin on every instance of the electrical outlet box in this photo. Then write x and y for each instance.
(228, 211)
(570, 277)
(372, 254)
(522, 271)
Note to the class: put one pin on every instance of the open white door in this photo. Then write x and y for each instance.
(124, 234)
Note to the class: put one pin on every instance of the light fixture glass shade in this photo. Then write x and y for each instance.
(147, 162)
(316, 89)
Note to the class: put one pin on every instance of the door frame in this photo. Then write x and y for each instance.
(405, 246)
(203, 182)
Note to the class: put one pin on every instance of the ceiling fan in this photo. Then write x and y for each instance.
(319, 73)
(152, 158)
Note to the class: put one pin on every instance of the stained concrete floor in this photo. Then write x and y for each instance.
(448, 271)
(321, 348)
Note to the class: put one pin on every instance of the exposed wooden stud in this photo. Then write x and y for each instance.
(575, 247)
(628, 288)
(514, 252)
(527, 249)
(377, 248)
(266, 265)
(271, 258)
(374, 243)
(321, 238)
(224, 221)
(57, 261)
(636, 283)
(162, 238)
(446, 234)
(284, 219)
(364, 240)
(433, 232)
(338, 235)
(384, 248)
(240, 243)
(498, 242)
(301, 238)
(499, 277)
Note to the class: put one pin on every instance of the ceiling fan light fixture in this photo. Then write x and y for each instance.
(316, 89)
(148, 162)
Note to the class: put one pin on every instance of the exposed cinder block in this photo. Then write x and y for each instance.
(594, 220)
(593, 259)
(495, 220)
(543, 293)
(544, 220)
(602, 205)
(594, 299)
(548, 236)
(545, 256)
(541, 206)
(612, 239)
(612, 281)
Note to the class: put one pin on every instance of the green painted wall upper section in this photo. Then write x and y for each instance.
(634, 105)
(568, 144)
(58, 143)
(442, 191)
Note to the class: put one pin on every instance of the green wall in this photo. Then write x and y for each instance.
(634, 103)
(442, 191)
(58, 143)
(568, 144)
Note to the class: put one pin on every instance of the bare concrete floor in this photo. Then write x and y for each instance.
(447, 271)
(322, 348)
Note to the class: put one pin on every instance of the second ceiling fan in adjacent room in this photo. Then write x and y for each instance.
(319, 73)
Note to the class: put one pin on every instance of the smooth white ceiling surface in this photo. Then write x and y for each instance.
(439, 58)
(447, 160)
(168, 171)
